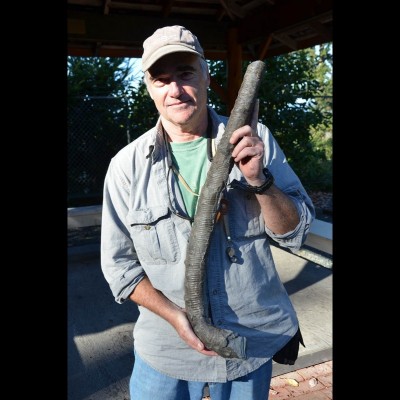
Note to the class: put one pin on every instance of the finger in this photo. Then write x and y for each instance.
(208, 352)
(240, 133)
(254, 118)
(204, 350)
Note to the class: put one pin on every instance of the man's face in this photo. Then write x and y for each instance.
(178, 87)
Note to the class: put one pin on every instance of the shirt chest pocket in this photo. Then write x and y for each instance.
(154, 236)
(244, 213)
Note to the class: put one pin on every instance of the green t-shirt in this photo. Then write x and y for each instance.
(190, 160)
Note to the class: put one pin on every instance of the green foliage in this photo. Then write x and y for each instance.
(296, 105)
(96, 76)
(290, 107)
(218, 71)
(108, 108)
(97, 123)
(143, 112)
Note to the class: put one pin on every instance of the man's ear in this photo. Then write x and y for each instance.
(149, 92)
(147, 86)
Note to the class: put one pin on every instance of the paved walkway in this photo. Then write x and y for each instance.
(311, 383)
(100, 343)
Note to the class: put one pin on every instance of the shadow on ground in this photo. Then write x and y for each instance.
(99, 364)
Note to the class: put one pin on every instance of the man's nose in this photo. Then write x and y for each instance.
(175, 89)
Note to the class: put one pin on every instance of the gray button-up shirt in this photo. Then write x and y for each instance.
(142, 237)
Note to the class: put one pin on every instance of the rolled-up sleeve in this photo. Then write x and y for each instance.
(119, 263)
(294, 239)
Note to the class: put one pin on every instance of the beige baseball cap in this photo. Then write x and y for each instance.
(170, 39)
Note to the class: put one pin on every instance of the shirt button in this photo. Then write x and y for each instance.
(215, 292)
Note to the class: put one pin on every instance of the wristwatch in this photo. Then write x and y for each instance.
(256, 189)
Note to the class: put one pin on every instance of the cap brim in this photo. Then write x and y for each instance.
(163, 51)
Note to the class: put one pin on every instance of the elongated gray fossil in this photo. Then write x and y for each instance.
(224, 342)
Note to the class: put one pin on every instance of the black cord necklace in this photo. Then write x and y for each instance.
(171, 166)
(210, 142)
(209, 137)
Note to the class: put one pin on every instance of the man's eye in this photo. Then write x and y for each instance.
(159, 82)
(187, 75)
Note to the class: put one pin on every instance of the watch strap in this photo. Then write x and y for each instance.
(255, 189)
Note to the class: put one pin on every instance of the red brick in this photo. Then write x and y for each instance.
(308, 373)
(304, 387)
(313, 396)
(323, 369)
(321, 391)
(282, 394)
(278, 382)
(292, 375)
(326, 380)
(315, 370)
(328, 392)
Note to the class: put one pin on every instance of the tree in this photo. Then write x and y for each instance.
(97, 122)
(321, 135)
(143, 113)
(106, 111)
(97, 76)
(292, 108)
(295, 105)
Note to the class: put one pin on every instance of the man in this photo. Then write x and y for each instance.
(150, 197)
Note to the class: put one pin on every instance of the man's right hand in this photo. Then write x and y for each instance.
(147, 296)
(185, 331)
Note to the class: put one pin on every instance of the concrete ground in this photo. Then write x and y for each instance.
(100, 343)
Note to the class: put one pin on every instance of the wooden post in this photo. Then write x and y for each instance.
(234, 67)
(265, 47)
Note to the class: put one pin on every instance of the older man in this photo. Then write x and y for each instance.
(150, 197)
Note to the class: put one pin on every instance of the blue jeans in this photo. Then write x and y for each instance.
(148, 384)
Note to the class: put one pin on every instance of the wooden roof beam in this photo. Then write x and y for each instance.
(255, 3)
(321, 29)
(283, 16)
(166, 10)
(106, 7)
(264, 47)
(234, 65)
(232, 9)
(286, 40)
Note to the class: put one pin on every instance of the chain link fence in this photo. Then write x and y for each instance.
(98, 127)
